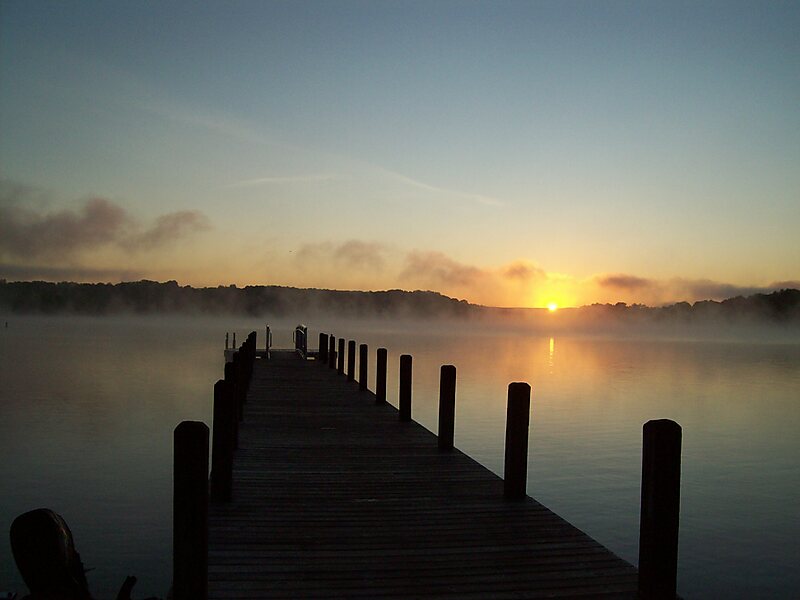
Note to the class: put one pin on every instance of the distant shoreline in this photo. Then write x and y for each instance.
(781, 308)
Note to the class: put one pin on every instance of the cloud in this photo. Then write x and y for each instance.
(437, 269)
(351, 254)
(624, 282)
(523, 271)
(654, 291)
(360, 254)
(440, 191)
(77, 274)
(281, 180)
(169, 228)
(28, 233)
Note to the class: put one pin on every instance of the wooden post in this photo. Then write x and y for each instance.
(405, 387)
(190, 512)
(380, 377)
(323, 348)
(660, 512)
(223, 443)
(226, 340)
(518, 415)
(240, 383)
(332, 352)
(351, 360)
(340, 357)
(230, 378)
(362, 367)
(447, 406)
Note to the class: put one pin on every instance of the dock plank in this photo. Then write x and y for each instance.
(334, 497)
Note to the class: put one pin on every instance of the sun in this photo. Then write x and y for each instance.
(552, 307)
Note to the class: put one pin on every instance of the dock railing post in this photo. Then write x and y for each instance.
(405, 387)
(518, 414)
(351, 360)
(323, 348)
(222, 442)
(190, 512)
(660, 511)
(332, 351)
(380, 377)
(340, 357)
(447, 406)
(362, 367)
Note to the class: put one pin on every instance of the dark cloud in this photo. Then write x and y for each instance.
(523, 272)
(27, 233)
(78, 274)
(438, 269)
(625, 282)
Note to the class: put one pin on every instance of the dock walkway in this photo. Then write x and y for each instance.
(333, 496)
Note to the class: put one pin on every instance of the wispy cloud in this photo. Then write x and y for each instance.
(442, 192)
(282, 180)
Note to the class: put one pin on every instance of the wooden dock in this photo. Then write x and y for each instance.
(334, 496)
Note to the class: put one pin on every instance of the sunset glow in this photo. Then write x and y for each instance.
(552, 307)
(489, 160)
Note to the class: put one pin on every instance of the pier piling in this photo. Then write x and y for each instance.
(516, 456)
(447, 406)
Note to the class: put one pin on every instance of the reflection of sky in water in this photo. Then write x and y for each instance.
(88, 407)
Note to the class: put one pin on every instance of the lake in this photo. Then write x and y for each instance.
(88, 405)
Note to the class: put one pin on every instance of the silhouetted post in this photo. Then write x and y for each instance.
(362, 367)
(518, 416)
(447, 406)
(240, 390)
(380, 377)
(226, 340)
(230, 378)
(323, 348)
(223, 442)
(340, 357)
(351, 360)
(661, 494)
(190, 512)
(332, 352)
(405, 387)
(234, 341)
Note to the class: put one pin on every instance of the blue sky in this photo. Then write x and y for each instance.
(507, 152)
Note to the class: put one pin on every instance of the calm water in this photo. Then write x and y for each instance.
(87, 408)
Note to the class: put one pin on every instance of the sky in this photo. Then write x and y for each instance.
(506, 153)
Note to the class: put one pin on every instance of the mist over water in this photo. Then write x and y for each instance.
(88, 405)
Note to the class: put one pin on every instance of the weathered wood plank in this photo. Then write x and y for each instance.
(334, 496)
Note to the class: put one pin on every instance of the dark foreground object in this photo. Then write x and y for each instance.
(48, 561)
(333, 497)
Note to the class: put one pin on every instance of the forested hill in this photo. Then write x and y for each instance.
(153, 297)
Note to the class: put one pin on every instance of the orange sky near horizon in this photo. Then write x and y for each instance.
(518, 154)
